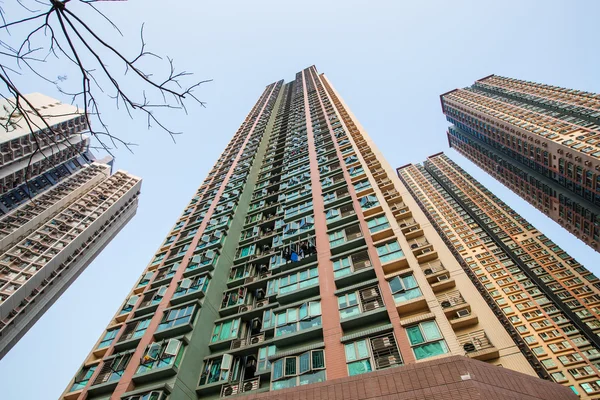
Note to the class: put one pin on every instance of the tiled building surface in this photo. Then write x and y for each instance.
(449, 378)
(47, 242)
(541, 141)
(545, 298)
(32, 162)
(302, 258)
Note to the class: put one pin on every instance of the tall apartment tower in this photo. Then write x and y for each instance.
(58, 208)
(48, 241)
(541, 141)
(546, 300)
(302, 264)
(36, 154)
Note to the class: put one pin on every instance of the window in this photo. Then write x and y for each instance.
(378, 224)
(369, 201)
(362, 185)
(145, 279)
(109, 336)
(303, 369)
(209, 257)
(371, 354)
(426, 340)
(345, 235)
(263, 357)
(306, 316)
(591, 387)
(192, 285)
(404, 288)
(161, 354)
(130, 304)
(292, 282)
(113, 368)
(216, 369)
(353, 263)
(176, 317)
(389, 251)
(159, 258)
(226, 330)
(82, 378)
(153, 395)
(363, 300)
(135, 329)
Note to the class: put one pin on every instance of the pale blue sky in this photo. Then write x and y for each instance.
(390, 61)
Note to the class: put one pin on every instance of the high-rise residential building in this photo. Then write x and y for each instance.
(58, 208)
(541, 141)
(302, 264)
(48, 241)
(36, 154)
(547, 301)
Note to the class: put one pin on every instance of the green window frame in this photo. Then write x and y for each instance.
(358, 357)
(226, 330)
(404, 288)
(389, 252)
(303, 369)
(426, 340)
(108, 338)
(377, 224)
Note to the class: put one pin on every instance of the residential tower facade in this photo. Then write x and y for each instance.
(300, 263)
(541, 141)
(547, 300)
(37, 154)
(49, 240)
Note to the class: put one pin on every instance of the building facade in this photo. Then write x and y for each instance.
(548, 299)
(36, 154)
(541, 141)
(301, 261)
(48, 241)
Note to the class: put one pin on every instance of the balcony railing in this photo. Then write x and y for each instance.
(451, 299)
(475, 341)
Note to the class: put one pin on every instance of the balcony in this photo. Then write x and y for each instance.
(477, 345)
(410, 228)
(400, 210)
(452, 302)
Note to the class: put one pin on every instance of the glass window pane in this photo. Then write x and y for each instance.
(350, 352)
(409, 282)
(318, 359)
(359, 367)
(304, 362)
(431, 330)
(414, 335)
(396, 285)
(362, 349)
(430, 350)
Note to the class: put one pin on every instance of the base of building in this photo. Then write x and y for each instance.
(450, 378)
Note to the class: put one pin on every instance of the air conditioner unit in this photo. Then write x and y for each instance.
(428, 271)
(230, 390)
(414, 246)
(469, 347)
(236, 344)
(446, 304)
(425, 251)
(402, 225)
(463, 313)
(257, 339)
(370, 306)
(443, 278)
(247, 308)
(262, 303)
